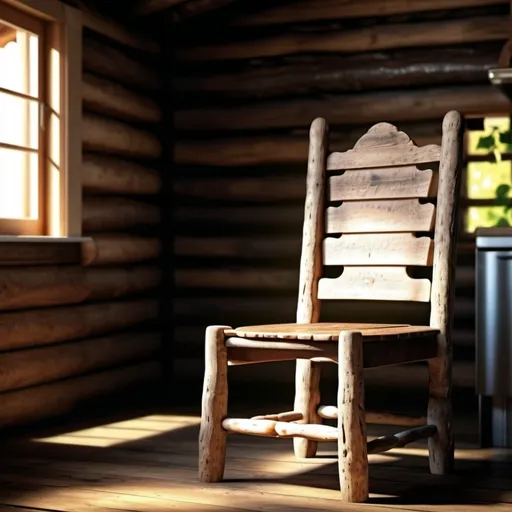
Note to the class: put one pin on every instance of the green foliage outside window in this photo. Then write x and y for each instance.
(491, 179)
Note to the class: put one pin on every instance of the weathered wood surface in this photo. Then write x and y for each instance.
(116, 213)
(107, 175)
(277, 148)
(37, 327)
(403, 215)
(374, 283)
(214, 406)
(378, 249)
(117, 138)
(110, 62)
(383, 183)
(440, 411)
(352, 454)
(111, 99)
(68, 284)
(304, 11)
(363, 39)
(281, 416)
(35, 366)
(62, 397)
(307, 373)
(382, 417)
(110, 249)
(326, 331)
(351, 73)
(364, 108)
(386, 443)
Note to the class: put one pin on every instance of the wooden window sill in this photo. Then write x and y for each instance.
(41, 250)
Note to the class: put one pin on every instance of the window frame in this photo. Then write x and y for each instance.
(60, 205)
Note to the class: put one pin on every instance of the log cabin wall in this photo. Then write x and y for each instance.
(246, 94)
(76, 326)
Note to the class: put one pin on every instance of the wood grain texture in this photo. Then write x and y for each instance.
(111, 99)
(402, 215)
(307, 373)
(383, 183)
(443, 294)
(110, 62)
(386, 443)
(304, 11)
(118, 138)
(380, 417)
(117, 214)
(43, 286)
(107, 175)
(374, 283)
(377, 37)
(63, 397)
(378, 249)
(350, 109)
(37, 327)
(112, 249)
(35, 366)
(352, 451)
(214, 408)
(17, 252)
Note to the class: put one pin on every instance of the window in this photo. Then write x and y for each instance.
(488, 181)
(40, 113)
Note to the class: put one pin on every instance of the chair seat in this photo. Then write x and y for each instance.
(331, 331)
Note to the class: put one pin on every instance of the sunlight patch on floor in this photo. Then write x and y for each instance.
(113, 434)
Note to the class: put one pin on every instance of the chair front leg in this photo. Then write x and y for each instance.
(307, 400)
(352, 448)
(212, 437)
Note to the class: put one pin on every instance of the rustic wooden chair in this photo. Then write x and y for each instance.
(386, 220)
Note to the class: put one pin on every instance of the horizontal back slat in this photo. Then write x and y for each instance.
(384, 183)
(374, 283)
(403, 215)
(363, 158)
(378, 249)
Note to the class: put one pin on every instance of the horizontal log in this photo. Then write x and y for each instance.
(268, 188)
(281, 149)
(22, 287)
(16, 251)
(146, 7)
(111, 99)
(112, 63)
(394, 106)
(63, 397)
(38, 327)
(248, 247)
(330, 412)
(333, 73)
(280, 429)
(364, 39)
(106, 175)
(282, 416)
(305, 11)
(237, 279)
(114, 137)
(112, 213)
(383, 444)
(35, 366)
(109, 249)
(194, 8)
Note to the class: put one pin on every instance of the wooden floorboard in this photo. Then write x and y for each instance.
(147, 461)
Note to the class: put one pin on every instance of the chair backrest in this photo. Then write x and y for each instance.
(380, 212)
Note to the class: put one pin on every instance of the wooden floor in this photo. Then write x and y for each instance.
(147, 462)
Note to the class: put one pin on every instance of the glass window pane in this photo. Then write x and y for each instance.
(483, 178)
(487, 217)
(490, 123)
(19, 184)
(19, 55)
(20, 121)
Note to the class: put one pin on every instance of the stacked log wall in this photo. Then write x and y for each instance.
(246, 94)
(74, 331)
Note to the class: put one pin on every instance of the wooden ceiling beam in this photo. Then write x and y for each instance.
(193, 8)
(148, 7)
